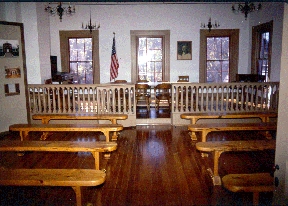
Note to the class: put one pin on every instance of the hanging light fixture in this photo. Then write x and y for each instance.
(60, 10)
(246, 8)
(210, 25)
(90, 26)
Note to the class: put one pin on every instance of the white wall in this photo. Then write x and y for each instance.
(183, 21)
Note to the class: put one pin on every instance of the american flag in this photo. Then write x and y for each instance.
(114, 62)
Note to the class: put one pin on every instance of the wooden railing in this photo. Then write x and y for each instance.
(120, 98)
(225, 97)
(89, 98)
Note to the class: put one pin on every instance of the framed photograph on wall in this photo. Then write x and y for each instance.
(184, 50)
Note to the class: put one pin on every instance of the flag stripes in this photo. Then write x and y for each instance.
(114, 62)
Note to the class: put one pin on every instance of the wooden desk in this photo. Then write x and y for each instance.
(45, 118)
(194, 117)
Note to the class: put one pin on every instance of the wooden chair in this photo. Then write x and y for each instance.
(162, 95)
(143, 94)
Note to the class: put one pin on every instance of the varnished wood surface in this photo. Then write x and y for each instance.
(233, 126)
(206, 128)
(258, 182)
(47, 117)
(65, 127)
(264, 116)
(52, 177)
(153, 165)
(57, 146)
(249, 145)
(218, 147)
(24, 129)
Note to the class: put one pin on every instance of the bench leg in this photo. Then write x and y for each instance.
(106, 133)
(193, 136)
(204, 134)
(216, 177)
(268, 135)
(77, 190)
(23, 135)
(255, 198)
(97, 161)
(114, 136)
(44, 135)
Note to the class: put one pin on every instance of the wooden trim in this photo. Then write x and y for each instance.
(234, 51)
(64, 50)
(165, 34)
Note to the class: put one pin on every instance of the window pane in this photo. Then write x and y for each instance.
(217, 61)
(81, 60)
(150, 57)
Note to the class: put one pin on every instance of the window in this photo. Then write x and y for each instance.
(80, 60)
(80, 55)
(150, 53)
(261, 49)
(218, 55)
(150, 59)
(217, 59)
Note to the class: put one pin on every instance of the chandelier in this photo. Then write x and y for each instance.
(90, 26)
(60, 10)
(210, 25)
(246, 8)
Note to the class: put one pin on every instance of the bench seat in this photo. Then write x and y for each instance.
(205, 128)
(75, 178)
(45, 118)
(255, 183)
(24, 129)
(59, 146)
(218, 147)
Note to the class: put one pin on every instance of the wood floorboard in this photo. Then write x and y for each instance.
(153, 165)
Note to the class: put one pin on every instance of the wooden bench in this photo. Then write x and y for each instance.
(45, 118)
(24, 129)
(255, 183)
(60, 146)
(75, 178)
(205, 128)
(194, 117)
(218, 147)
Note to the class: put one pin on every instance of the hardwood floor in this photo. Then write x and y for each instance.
(141, 113)
(153, 165)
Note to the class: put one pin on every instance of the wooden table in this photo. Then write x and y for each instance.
(45, 118)
(194, 117)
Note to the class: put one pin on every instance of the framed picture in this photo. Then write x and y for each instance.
(9, 48)
(184, 50)
(12, 72)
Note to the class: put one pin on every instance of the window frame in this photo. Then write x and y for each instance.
(64, 50)
(256, 45)
(165, 35)
(233, 48)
